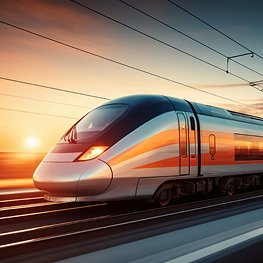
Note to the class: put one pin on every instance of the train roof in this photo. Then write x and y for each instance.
(148, 100)
(137, 100)
(226, 114)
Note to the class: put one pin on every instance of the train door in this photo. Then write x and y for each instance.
(193, 145)
(184, 164)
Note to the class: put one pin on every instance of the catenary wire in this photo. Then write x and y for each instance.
(189, 37)
(38, 113)
(214, 28)
(42, 100)
(112, 61)
(164, 43)
(153, 38)
(52, 88)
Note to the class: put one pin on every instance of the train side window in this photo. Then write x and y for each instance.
(248, 147)
(192, 123)
(212, 144)
(260, 151)
(182, 135)
(192, 138)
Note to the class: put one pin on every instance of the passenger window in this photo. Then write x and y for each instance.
(260, 151)
(192, 139)
(192, 122)
(212, 144)
(182, 135)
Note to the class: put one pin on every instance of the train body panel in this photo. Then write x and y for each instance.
(71, 179)
(219, 154)
(150, 150)
(61, 157)
(142, 151)
(146, 146)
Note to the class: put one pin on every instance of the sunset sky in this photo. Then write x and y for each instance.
(29, 58)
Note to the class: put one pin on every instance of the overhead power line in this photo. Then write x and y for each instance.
(162, 42)
(147, 35)
(50, 87)
(49, 101)
(112, 61)
(38, 113)
(214, 28)
(189, 37)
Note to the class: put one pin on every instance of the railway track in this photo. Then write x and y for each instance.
(31, 227)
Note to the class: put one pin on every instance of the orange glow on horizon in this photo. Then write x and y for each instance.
(16, 183)
(36, 60)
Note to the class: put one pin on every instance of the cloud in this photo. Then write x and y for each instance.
(30, 57)
(58, 19)
(46, 14)
(257, 109)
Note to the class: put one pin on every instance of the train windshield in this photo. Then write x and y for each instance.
(95, 122)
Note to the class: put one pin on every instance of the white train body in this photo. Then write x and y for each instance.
(153, 147)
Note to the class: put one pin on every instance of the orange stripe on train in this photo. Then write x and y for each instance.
(165, 138)
(170, 162)
(156, 141)
(224, 158)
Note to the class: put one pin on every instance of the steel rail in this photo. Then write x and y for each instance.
(49, 212)
(20, 201)
(37, 213)
(140, 220)
(62, 224)
(19, 193)
(27, 206)
(79, 221)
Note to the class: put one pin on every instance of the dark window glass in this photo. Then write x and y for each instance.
(95, 122)
(192, 138)
(182, 135)
(260, 149)
(248, 147)
(192, 121)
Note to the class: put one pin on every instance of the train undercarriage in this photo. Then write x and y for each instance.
(227, 185)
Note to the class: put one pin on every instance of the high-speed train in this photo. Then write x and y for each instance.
(153, 147)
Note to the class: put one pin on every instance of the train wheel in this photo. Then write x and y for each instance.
(164, 198)
(255, 181)
(230, 187)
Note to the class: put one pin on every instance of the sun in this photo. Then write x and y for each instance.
(32, 142)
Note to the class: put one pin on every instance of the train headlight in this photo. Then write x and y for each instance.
(92, 153)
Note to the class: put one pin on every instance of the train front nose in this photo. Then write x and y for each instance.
(72, 169)
(65, 181)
